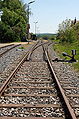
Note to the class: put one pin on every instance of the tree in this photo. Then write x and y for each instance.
(6, 33)
(14, 18)
(64, 26)
(66, 32)
(76, 28)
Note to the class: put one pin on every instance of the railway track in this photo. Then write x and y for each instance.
(7, 48)
(33, 91)
(70, 85)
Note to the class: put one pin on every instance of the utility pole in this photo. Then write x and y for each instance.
(35, 27)
(28, 25)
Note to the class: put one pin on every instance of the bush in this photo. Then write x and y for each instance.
(66, 32)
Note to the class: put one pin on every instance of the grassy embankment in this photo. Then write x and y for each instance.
(67, 47)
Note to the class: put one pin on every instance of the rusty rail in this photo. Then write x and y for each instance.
(9, 49)
(4, 86)
(66, 102)
(6, 46)
(29, 56)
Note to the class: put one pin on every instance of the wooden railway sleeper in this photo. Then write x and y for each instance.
(63, 96)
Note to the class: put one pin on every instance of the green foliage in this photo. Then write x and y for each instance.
(67, 47)
(76, 28)
(6, 33)
(52, 37)
(47, 36)
(9, 17)
(64, 25)
(21, 47)
(68, 39)
(13, 21)
(66, 33)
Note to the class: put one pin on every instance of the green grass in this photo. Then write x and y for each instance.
(66, 47)
(21, 47)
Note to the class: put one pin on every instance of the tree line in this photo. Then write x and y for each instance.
(68, 31)
(13, 21)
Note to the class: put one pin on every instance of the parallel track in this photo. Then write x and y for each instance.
(6, 46)
(8, 49)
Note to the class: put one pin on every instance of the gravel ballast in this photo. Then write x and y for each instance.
(9, 61)
(65, 72)
(34, 70)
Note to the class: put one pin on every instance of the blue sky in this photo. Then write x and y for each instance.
(50, 13)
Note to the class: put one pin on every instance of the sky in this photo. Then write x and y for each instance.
(50, 13)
